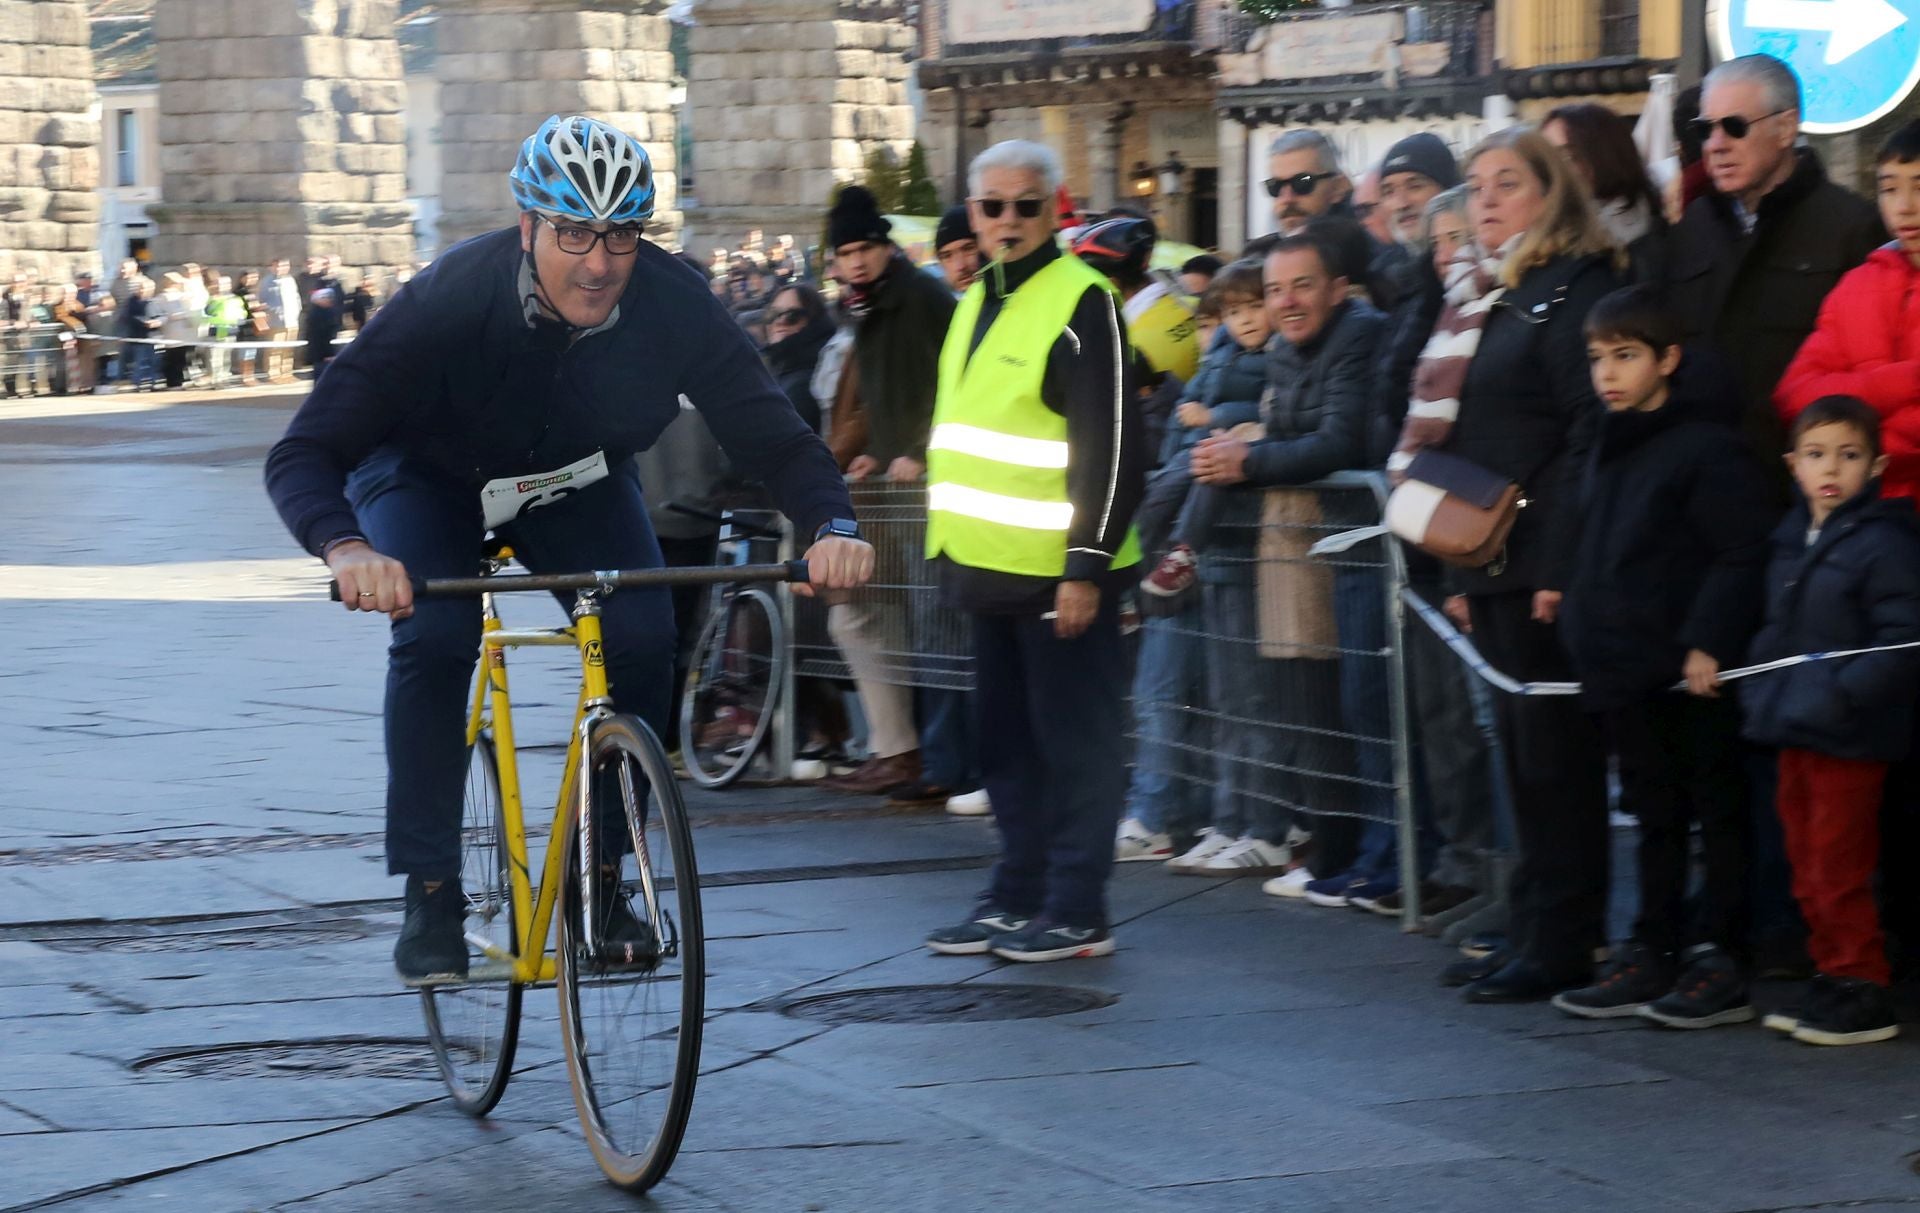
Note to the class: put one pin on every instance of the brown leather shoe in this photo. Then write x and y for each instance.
(876, 776)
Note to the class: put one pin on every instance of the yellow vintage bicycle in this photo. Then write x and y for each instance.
(630, 1015)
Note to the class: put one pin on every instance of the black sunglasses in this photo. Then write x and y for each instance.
(1735, 126)
(621, 241)
(1300, 183)
(792, 315)
(1026, 208)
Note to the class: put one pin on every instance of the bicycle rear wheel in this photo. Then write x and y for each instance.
(475, 1028)
(632, 1033)
(733, 687)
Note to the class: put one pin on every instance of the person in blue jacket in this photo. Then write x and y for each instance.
(1845, 576)
(507, 387)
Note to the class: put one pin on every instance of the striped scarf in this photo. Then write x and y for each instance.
(1472, 288)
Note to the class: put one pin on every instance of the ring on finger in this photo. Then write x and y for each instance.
(366, 593)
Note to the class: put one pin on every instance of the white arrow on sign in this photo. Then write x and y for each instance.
(1851, 25)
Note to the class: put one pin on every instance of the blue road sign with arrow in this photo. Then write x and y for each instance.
(1856, 59)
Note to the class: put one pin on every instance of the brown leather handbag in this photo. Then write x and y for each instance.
(1455, 510)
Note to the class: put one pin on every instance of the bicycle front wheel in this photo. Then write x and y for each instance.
(733, 687)
(475, 1028)
(632, 1031)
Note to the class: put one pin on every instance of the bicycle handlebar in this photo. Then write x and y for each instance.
(613, 579)
(728, 519)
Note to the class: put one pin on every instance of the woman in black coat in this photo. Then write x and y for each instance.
(1599, 144)
(798, 328)
(1527, 410)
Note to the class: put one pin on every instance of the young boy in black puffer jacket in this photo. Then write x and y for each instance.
(1845, 575)
(1666, 586)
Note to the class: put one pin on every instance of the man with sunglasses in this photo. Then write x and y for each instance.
(1753, 259)
(507, 387)
(1305, 181)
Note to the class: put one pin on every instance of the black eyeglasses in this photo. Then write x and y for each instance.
(1300, 183)
(1026, 208)
(621, 241)
(1735, 126)
(792, 315)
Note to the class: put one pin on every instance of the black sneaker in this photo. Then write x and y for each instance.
(1474, 968)
(1043, 940)
(433, 945)
(976, 936)
(620, 927)
(1856, 1012)
(1635, 977)
(1787, 1019)
(1709, 992)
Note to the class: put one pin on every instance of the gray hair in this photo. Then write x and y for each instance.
(1020, 155)
(1309, 140)
(1778, 84)
(1447, 202)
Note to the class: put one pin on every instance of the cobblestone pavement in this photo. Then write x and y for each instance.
(200, 1013)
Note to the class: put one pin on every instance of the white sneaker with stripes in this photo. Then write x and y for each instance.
(1293, 884)
(1248, 857)
(1136, 843)
(1209, 843)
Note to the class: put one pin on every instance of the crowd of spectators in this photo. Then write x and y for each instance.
(1706, 382)
(151, 330)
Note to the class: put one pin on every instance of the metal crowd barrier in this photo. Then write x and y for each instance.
(36, 360)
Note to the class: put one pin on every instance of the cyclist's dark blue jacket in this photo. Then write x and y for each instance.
(451, 373)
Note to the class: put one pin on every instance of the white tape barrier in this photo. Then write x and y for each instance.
(162, 343)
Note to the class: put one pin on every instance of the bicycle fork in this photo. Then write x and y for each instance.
(597, 706)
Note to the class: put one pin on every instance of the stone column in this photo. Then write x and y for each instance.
(49, 141)
(1233, 185)
(282, 133)
(506, 65)
(786, 99)
(1103, 158)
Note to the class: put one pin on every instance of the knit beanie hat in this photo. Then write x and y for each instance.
(1425, 153)
(954, 225)
(856, 219)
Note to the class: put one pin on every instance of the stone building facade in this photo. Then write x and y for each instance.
(504, 65)
(282, 132)
(786, 98)
(49, 157)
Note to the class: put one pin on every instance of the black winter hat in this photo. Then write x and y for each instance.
(954, 225)
(1426, 154)
(855, 219)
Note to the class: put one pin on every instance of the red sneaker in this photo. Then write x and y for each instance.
(1175, 574)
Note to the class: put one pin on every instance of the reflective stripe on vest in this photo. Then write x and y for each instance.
(997, 459)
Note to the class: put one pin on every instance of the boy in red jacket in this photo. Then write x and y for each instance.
(1867, 341)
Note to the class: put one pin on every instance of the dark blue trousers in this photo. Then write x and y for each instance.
(433, 526)
(1051, 716)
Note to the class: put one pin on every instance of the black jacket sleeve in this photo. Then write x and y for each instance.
(1571, 383)
(369, 389)
(1890, 596)
(1729, 508)
(1339, 442)
(1090, 381)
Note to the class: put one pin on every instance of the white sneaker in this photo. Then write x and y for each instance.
(1211, 842)
(1248, 857)
(1136, 843)
(970, 804)
(1293, 884)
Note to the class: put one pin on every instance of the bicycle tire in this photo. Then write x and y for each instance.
(476, 1068)
(633, 1109)
(731, 684)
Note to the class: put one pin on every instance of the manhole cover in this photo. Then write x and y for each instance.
(242, 940)
(361, 1057)
(944, 1004)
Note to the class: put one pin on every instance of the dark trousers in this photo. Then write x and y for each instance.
(173, 364)
(433, 526)
(689, 612)
(1680, 760)
(1451, 757)
(1557, 769)
(947, 743)
(1051, 718)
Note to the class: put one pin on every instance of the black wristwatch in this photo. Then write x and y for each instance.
(838, 528)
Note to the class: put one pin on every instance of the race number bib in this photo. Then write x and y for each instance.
(506, 499)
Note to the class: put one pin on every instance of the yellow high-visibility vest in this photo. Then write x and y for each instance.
(997, 461)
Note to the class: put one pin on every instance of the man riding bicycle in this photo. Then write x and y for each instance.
(507, 387)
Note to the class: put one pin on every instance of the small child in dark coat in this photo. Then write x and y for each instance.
(1666, 586)
(1845, 575)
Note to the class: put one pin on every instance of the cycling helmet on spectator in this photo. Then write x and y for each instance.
(1118, 248)
(584, 169)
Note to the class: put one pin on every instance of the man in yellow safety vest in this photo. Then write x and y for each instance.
(1034, 470)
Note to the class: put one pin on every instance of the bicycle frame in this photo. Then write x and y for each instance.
(530, 961)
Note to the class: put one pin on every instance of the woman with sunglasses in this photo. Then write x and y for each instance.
(798, 328)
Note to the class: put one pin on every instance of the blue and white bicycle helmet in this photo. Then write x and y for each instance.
(582, 168)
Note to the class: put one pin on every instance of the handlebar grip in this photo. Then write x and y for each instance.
(419, 587)
(797, 572)
(333, 590)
